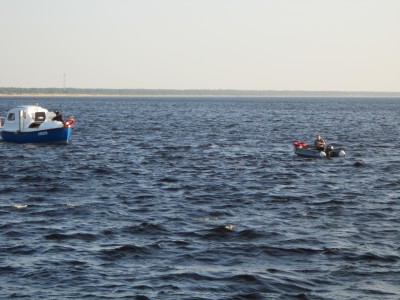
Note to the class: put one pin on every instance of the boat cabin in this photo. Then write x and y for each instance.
(27, 118)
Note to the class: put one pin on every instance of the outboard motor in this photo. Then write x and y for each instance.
(328, 150)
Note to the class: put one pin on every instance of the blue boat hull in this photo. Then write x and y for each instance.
(56, 135)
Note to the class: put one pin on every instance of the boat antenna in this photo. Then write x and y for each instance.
(34, 98)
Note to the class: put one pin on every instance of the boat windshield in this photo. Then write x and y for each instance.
(40, 116)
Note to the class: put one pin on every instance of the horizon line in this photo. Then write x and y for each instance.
(182, 92)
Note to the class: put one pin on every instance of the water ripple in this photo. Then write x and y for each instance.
(203, 198)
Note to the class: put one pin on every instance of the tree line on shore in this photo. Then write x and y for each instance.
(13, 91)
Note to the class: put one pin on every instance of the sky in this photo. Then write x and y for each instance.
(310, 45)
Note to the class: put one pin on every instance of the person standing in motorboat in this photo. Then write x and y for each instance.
(319, 143)
(58, 116)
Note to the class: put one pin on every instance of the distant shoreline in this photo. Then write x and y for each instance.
(71, 92)
(193, 96)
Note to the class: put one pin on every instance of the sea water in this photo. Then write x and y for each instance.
(204, 198)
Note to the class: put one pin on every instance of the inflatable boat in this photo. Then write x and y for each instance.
(304, 150)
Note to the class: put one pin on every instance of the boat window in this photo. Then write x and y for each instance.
(40, 116)
(11, 117)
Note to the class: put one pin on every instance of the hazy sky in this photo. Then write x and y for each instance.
(346, 45)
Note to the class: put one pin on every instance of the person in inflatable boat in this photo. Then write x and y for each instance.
(319, 143)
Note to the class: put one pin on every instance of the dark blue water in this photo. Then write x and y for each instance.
(203, 198)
